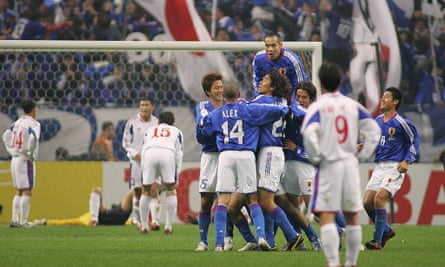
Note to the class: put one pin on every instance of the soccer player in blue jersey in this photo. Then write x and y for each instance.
(274, 89)
(398, 147)
(236, 126)
(330, 129)
(283, 59)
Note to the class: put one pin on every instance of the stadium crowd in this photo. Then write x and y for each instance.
(102, 79)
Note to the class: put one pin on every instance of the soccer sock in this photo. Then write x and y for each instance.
(311, 233)
(171, 204)
(135, 215)
(94, 206)
(353, 244)
(331, 242)
(24, 208)
(371, 214)
(269, 229)
(203, 224)
(16, 208)
(229, 227)
(220, 221)
(282, 221)
(143, 210)
(380, 224)
(244, 229)
(256, 214)
(154, 210)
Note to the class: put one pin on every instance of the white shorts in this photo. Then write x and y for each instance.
(337, 187)
(270, 165)
(207, 175)
(136, 175)
(385, 175)
(158, 162)
(23, 173)
(298, 178)
(236, 172)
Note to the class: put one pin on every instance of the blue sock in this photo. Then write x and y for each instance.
(203, 223)
(311, 233)
(229, 227)
(220, 224)
(340, 220)
(244, 229)
(282, 221)
(371, 215)
(380, 224)
(258, 220)
(269, 226)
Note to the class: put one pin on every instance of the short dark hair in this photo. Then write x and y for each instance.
(167, 117)
(106, 124)
(209, 79)
(231, 91)
(396, 95)
(28, 105)
(309, 87)
(273, 34)
(147, 98)
(330, 75)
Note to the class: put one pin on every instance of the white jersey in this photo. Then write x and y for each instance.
(332, 128)
(22, 138)
(134, 132)
(166, 137)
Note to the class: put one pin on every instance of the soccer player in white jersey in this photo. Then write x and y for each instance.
(132, 141)
(398, 147)
(236, 126)
(274, 89)
(331, 129)
(22, 143)
(161, 155)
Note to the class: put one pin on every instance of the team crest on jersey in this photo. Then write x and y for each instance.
(391, 133)
(283, 71)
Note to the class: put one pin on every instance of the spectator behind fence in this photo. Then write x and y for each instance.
(102, 147)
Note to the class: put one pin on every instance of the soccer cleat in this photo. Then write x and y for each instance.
(14, 225)
(93, 223)
(293, 246)
(168, 231)
(202, 247)
(388, 236)
(263, 245)
(219, 248)
(155, 226)
(143, 230)
(228, 243)
(316, 245)
(248, 247)
(373, 245)
(28, 225)
(40, 222)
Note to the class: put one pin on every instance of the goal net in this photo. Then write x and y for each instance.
(80, 84)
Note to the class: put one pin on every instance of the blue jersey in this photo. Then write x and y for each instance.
(339, 30)
(289, 62)
(26, 29)
(208, 143)
(237, 124)
(399, 140)
(271, 134)
(293, 133)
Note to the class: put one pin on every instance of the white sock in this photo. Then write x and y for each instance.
(143, 210)
(24, 209)
(94, 206)
(171, 204)
(16, 208)
(135, 215)
(331, 242)
(353, 243)
(154, 210)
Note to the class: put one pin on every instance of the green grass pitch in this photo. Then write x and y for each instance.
(125, 246)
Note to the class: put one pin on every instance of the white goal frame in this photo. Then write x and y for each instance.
(122, 46)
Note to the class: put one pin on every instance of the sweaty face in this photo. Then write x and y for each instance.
(265, 86)
(273, 47)
(303, 98)
(146, 109)
(216, 93)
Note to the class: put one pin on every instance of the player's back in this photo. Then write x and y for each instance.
(25, 135)
(337, 117)
(163, 136)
